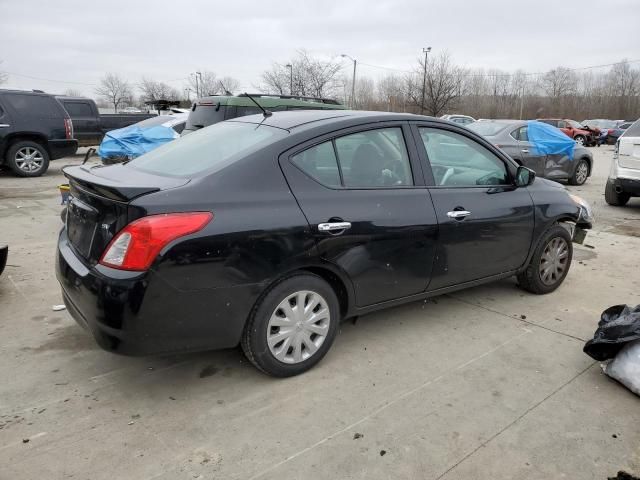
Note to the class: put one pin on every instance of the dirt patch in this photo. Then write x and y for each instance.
(582, 254)
(628, 229)
(71, 338)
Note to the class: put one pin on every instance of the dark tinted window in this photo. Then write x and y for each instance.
(179, 127)
(40, 106)
(205, 115)
(457, 161)
(78, 109)
(319, 163)
(375, 158)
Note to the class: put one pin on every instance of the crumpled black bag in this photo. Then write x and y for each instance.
(618, 326)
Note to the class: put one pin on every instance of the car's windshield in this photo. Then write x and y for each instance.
(210, 149)
(574, 124)
(487, 129)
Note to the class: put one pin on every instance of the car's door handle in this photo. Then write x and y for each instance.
(4, 125)
(458, 214)
(333, 226)
(524, 150)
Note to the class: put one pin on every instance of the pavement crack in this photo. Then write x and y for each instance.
(524, 414)
(539, 325)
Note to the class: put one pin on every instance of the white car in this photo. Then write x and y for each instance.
(624, 176)
(460, 119)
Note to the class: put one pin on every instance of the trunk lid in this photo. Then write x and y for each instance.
(99, 203)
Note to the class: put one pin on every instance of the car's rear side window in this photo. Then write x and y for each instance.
(78, 109)
(369, 159)
(40, 106)
(209, 149)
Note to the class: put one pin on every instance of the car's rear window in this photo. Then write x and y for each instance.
(633, 130)
(488, 129)
(205, 115)
(209, 149)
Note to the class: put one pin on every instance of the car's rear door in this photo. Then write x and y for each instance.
(363, 194)
(485, 223)
(86, 127)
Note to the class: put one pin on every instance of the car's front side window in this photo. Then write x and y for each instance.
(458, 161)
(521, 134)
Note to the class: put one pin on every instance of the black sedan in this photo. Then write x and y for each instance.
(266, 231)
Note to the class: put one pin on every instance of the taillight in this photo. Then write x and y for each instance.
(137, 245)
(68, 128)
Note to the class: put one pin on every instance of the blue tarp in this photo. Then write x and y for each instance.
(549, 140)
(133, 141)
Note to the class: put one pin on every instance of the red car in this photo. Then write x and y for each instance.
(583, 135)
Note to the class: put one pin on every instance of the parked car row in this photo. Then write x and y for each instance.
(36, 127)
(268, 230)
(624, 176)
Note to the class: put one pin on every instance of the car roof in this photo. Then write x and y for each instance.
(300, 118)
(270, 101)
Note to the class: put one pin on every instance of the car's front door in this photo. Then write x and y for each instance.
(485, 223)
(363, 194)
(530, 156)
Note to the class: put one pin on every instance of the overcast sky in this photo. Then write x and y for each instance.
(78, 41)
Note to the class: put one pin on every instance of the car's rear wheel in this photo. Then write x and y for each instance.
(27, 159)
(614, 198)
(293, 326)
(580, 174)
(550, 262)
(580, 139)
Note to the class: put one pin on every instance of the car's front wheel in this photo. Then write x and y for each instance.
(550, 262)
(293, 326)
(580, 140)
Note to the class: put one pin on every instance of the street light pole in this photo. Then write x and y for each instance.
(424, 77)
(353, 82)
(195, 75)
(199, 74)
(290, 78)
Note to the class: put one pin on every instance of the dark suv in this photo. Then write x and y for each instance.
(34, 128)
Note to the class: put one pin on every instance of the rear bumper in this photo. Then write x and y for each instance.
(626, 185)
(135, 313)
(62, 148)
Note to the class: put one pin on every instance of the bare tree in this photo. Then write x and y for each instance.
(229, 85)
(72, 92)
(206, 83)
(307, 76)
(444, 84)
(559, 81)
(390, 90)
(115, 90)
(153, 91)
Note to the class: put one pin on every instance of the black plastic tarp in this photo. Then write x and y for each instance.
(618, 326)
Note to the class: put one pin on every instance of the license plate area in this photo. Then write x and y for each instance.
(81, 225)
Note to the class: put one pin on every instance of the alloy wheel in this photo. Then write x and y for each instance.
(29, 159)
(554, 261)
(298, 327)
(579, 140)
(582, 173)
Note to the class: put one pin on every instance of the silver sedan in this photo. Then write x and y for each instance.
(512, 137)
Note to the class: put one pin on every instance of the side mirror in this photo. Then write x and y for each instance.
(524, 176)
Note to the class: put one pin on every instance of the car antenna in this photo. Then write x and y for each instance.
(265, 112)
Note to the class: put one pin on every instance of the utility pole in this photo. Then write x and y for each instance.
(521, 101)
(353, 82)
(199, 74)
(424, 77)
(197, 89)
(290, 67)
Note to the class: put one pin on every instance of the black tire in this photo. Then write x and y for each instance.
(530, 278)
(580, 173)
(13, 154)
(614, 198)
(254, 338)
(581, 140)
